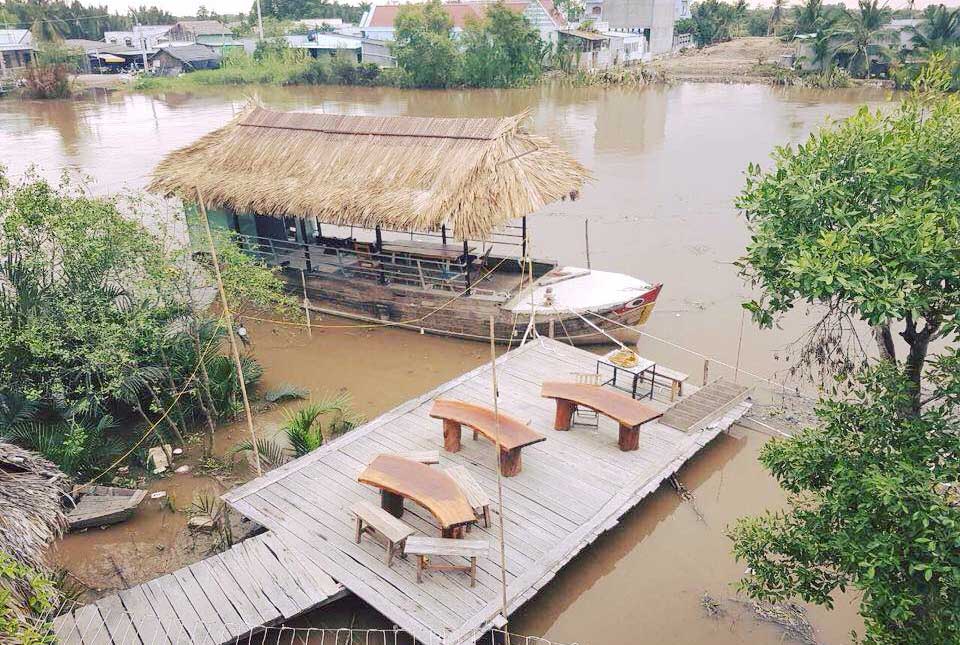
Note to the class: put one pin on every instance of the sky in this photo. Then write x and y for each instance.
(189, 7)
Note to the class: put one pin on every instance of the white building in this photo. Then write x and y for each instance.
(155, 35)
(16, 49)
(653, 19)
(377, 22)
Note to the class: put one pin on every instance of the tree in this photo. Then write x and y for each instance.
(864, 34)
(938, 29)
(423, 47)
(716, 21)
(502, 50)
(874, 506)
(863, 221)
(776, 16)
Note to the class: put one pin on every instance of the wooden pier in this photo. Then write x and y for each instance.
(254, 584)
(573, 486)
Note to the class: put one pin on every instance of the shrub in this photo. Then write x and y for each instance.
(48, 81)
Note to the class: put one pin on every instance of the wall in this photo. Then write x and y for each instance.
(641, 15)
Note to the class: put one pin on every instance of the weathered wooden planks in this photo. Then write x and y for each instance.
(573, 486)
(256, 583)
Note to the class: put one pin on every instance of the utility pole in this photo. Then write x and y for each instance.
(259, 20)
(143, 41)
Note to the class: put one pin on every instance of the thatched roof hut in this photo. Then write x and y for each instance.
(31, 490)
(399, 172)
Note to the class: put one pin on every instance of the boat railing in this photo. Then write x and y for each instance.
(341, 258)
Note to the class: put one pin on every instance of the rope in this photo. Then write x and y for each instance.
(496, 415)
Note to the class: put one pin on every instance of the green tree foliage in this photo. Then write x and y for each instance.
(27, 599)
(423, 45)
(939, 30)
(863, 34)
(100, 327)
(863, 220)
(502, 50)
(299, 9)
(57, 20)
(874, 507)
(716, 21)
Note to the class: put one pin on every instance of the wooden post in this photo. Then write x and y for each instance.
(510, 462)
(306, 302)
(523, 239)
(496, 414)
(306, 247)
(629, 438)
(443, 233)
(233, 340)
(466, 266)
(706, 369)
(586, 239)
(391, 503)
(564, 416)
(451, 435)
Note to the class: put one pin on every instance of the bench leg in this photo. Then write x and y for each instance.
(486, 516)
(359, 529)
(510, 463)
(564, 414)
(629, 438)
(451, 436)
(420, 565)
(454, 532)
(473, 571)
(674, 390)
(390, 552)
(391, 503)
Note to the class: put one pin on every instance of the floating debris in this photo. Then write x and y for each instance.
(160, 494)
(159, 456)
(687, 496)
(790, 616)
(712, 606)
(182, 469)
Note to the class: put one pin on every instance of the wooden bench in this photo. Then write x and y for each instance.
(623, 409)
(373, 520)
(672, 379)
(399, 478)
(475, 495)
(424, 547)
(514, 434)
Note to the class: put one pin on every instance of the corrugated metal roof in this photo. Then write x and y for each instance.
(191, 53)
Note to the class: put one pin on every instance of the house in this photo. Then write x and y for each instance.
(626, 47)
(16, 50)
(591, 48)
(106, 57)
(326, 44)
(377, 22)
(377, 52)
(654, 19)
(155, 36)
(203, 32)
(176, 59)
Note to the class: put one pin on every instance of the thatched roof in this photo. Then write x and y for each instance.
(31, 490)
(406, 173)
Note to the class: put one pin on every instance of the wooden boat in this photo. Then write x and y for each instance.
(103, 505)
(416, 222)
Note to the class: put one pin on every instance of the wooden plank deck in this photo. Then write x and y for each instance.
(572, 487)
(254, 584)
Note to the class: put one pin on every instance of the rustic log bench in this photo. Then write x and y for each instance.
(377, 521)
(475, 495)
(514, 434)
(399, 478)
(424, 547)
(623, 409)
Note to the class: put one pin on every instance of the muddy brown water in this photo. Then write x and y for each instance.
(667, 162)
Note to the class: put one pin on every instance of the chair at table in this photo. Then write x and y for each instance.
(585, 416)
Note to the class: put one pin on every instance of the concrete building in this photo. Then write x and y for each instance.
(202, 32)
(654, 19)
(377, 22)
(326, 44)
(16, 50)
(155, 35)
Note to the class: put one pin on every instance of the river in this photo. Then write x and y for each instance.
(667, 162)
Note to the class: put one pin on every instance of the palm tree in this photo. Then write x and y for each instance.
(938, 29)
(809, 16)
(864, 34)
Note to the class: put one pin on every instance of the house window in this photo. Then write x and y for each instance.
(596, 10)
(128, 42)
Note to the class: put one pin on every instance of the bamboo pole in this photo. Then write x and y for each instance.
(306, 302)
(496, 415)
(233, 341)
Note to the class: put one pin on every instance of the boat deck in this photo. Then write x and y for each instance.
(573, 486)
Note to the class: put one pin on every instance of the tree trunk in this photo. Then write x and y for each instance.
(881, 333)
(919, 342)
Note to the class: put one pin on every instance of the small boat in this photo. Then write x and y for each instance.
(103, 505)
(416, 222)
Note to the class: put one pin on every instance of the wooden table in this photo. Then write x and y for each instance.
(399, 478)
(426, 250)
(630, 414)
(514, 434)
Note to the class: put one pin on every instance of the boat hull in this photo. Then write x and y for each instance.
(468, 317)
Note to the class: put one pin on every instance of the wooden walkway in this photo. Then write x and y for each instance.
(696, 411)
(256, 583)
(573, 486)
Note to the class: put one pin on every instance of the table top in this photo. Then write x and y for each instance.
(642, 365)
(426, 249)
(433, 489)
(618, 406)
(513, 432)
